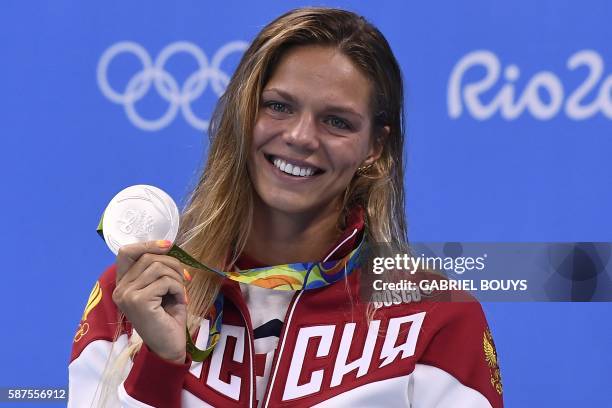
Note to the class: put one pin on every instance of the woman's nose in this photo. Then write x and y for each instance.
(302, 132)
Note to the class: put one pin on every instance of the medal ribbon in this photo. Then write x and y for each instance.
(293, 276)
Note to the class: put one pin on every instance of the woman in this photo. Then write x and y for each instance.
(305, 165)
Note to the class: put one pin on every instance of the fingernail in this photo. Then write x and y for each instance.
(164, 243)
(187, 275)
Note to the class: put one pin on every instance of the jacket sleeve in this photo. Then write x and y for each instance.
(99, 339)
(459, 367)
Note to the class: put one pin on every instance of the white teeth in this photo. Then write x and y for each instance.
(293, 169)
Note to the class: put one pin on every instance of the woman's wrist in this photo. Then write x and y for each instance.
(174, 358)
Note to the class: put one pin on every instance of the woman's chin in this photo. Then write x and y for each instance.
(289, 207)
(294, 205)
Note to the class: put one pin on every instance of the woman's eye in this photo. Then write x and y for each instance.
(338, 123)
(277, 107)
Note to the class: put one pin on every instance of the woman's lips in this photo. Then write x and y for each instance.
(293, 168)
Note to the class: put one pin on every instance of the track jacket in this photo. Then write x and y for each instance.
(420, 355)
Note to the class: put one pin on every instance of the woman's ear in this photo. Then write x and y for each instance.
(376, 148)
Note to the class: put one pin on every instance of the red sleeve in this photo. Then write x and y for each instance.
(464, 348)
(151, 380)
(100, 319)
(156, 381)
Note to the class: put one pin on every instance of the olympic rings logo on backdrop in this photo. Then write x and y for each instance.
(153, 73)
(511, 106)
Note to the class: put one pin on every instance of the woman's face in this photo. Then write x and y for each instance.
(313, 130)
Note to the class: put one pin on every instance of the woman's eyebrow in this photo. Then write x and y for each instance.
(282, 93)
(331, 108)
(343, 109)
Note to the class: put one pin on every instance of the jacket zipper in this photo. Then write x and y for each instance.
(281, 340)
(251, 368)
(279, 348)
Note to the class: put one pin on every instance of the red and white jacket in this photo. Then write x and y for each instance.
(425, 354)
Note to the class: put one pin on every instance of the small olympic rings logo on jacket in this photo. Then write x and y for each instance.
(81, 331)
(167, 87)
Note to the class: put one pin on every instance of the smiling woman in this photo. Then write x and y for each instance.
(304, 173)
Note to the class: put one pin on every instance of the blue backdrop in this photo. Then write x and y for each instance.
(509, 114)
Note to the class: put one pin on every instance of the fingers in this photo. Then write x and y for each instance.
(128, 255)
(165, 286)
(148, 269)
(154, 271)
(148, 260)
(138, 299)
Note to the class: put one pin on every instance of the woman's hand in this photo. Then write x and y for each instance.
(151, 293)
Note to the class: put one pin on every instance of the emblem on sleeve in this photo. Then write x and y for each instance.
(81, 331)
(94, 298)
(491, 358)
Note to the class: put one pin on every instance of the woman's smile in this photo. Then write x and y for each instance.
(296, 169)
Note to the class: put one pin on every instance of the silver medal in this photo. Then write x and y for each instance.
(137, 214)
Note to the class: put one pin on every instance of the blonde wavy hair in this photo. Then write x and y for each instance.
(216, 221)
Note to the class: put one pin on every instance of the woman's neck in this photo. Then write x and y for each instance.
(278, 238)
